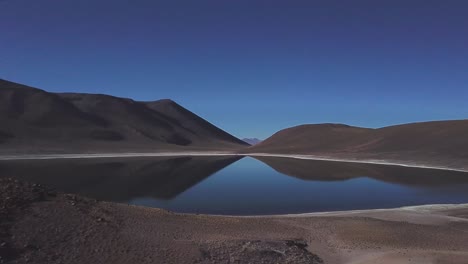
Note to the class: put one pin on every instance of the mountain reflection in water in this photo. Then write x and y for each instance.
(119, 179)
(228, 185)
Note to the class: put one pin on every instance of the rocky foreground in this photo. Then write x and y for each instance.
(38, 225)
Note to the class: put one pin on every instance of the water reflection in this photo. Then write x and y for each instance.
(314, 170)
(118, 179)
(228, 185)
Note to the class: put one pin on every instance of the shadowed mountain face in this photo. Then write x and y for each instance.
(34, 120)
(119, 180)
(315, 170)
(438, 143)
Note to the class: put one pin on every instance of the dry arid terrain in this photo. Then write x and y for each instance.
(39, 225)
(438, 143)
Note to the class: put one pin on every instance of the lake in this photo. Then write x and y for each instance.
(244, 185)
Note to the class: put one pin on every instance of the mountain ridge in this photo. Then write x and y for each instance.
(36, 120)
(433, 142)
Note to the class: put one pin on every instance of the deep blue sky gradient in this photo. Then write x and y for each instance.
(250, 67)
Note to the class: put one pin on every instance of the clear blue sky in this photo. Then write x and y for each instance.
(250, 67)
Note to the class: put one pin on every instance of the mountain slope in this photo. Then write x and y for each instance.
(190, 121)
(35, 107)
(313, 138)
(440, 137)
(35, 120)
(437, 143)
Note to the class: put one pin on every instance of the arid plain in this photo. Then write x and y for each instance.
(42, 225)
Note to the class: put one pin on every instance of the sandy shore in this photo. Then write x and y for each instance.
(41, 226)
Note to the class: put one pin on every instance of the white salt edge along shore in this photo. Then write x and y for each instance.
(426, 208)
(112, 155)
(363, 161)
(419, 208)
(217, 153)
(413, 213)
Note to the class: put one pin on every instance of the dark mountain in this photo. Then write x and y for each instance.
(34, 120)
(190, 121)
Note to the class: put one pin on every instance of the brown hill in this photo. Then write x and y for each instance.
(34, 120)
(439, 142)
(308, 138)
(438, 137)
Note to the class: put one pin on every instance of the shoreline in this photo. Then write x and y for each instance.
(430, 207)
(114, 155)
(363, 161)
(218, 153)
(424, 208)
(75, 229)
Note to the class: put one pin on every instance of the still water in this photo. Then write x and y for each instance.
(244, 186)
